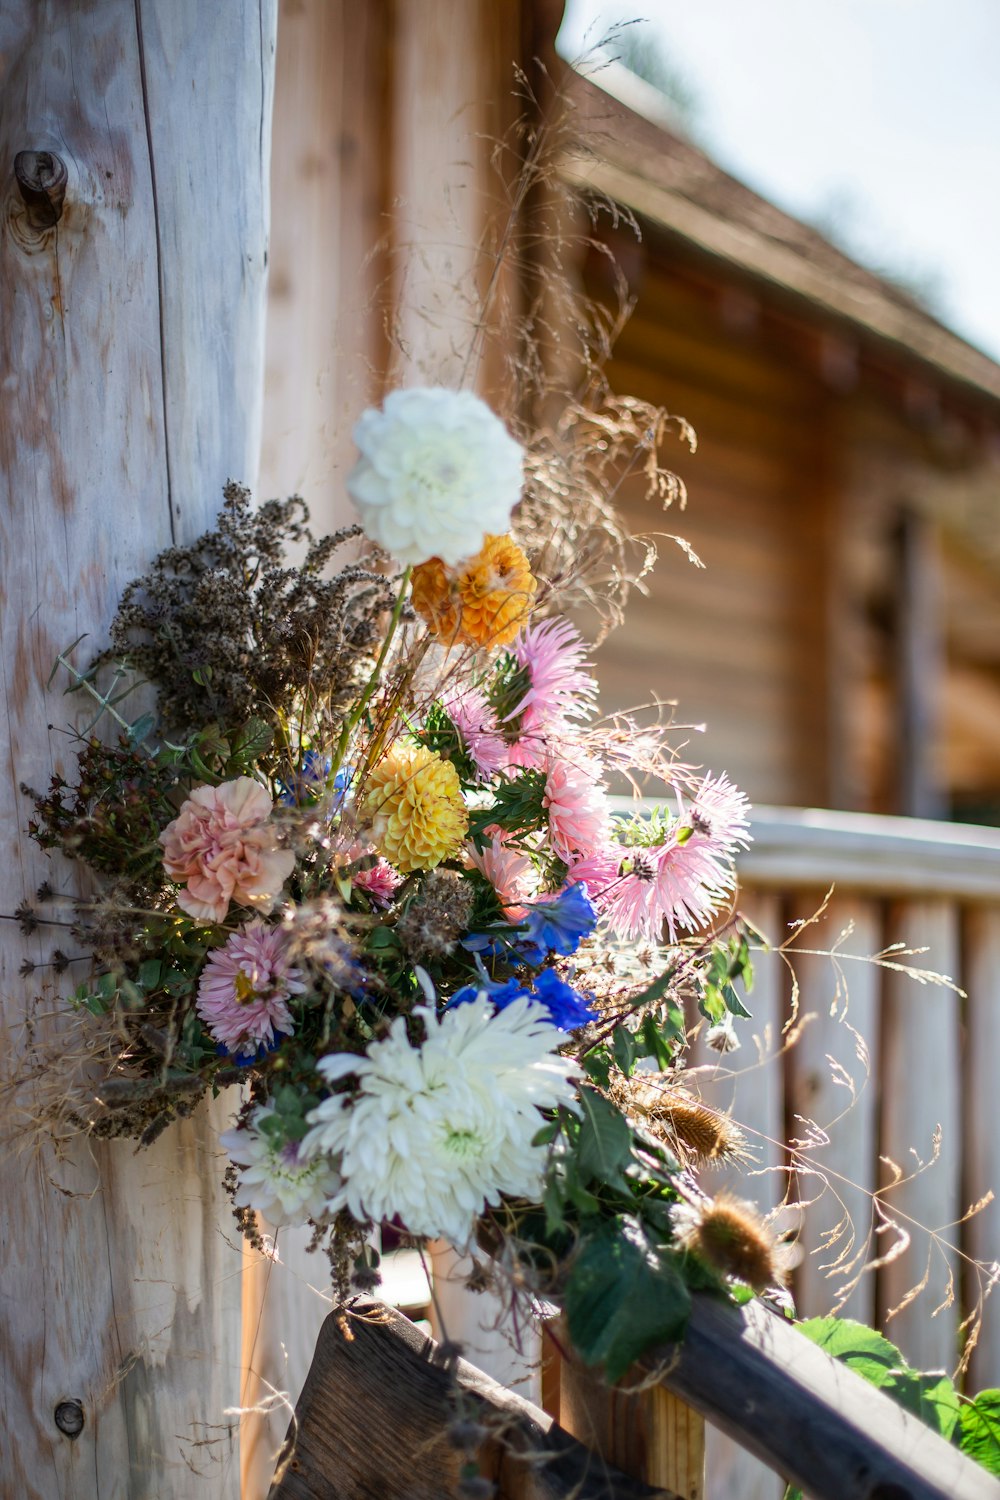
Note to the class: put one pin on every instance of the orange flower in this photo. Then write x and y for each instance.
(482, 602)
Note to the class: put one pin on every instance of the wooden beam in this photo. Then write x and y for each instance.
(134, 143)
(919, 666)
(376, 1414)
(811, 1419)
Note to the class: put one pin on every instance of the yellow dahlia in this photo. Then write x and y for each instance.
(414, 803)
(482, 602)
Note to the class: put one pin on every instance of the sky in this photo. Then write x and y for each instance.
(878, 117)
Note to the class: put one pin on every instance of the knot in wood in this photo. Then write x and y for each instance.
(41, 180)
(69, 1418)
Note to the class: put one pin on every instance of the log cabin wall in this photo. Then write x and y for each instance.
(793, 644)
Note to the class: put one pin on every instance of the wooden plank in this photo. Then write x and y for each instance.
(921, 1099)
(833, 1090)
(981, 1234)
(130, 368)
(919, 647)
(750, 1084)
(648, 1434)
(813, 1421)
(374, 1418)
(326, 345)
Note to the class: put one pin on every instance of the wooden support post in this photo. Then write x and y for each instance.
(134, 154)
(375, 1418)
(919, 667)
(648, 1432)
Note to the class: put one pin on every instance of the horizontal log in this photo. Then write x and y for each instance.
(374, 1419)
(812, 1420)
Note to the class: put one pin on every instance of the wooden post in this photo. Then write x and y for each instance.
(919, 665)
(981, 1158)
(648, 1433)
(134, 148)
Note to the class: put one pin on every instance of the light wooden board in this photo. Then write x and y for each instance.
(130, 367)
(921, 1094)
(834, 1094)
(981, 1235)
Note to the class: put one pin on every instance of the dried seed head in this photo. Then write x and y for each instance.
(699, 1134)
(729, 1234)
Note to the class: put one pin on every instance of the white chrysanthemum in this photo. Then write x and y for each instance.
(276, 1176)
(437, 1132)
(438, 472)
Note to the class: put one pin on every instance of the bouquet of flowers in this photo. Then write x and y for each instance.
(360, 861)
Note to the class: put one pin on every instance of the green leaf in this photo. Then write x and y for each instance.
(624, 1049)
(598, 1066)
(932, 1398)
(149, 973)
(250, 742)
(733, 1003)
(605, 1144)
(142, 728)
(979, 1430)
(863, 1350)
(623, 1296)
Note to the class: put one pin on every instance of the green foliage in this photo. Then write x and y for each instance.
(623, 1295)
(973, 1426)
(727, 962)
(440, 735)
(516, 808)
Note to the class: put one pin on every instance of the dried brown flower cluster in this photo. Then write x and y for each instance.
(227, 633)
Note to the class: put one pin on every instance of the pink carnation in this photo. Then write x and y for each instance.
(244, 987)
(577, 805)
(223, 848)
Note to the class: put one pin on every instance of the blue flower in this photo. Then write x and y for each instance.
(554, 926)
(558, 925)
(567, 1008)
(251, 1059)
(308, 786)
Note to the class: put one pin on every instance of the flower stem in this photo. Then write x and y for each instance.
(354, 718)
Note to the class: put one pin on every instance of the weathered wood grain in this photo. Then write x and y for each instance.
(373, 1420)
(130, 372)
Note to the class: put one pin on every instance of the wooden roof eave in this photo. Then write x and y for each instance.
(622, 165)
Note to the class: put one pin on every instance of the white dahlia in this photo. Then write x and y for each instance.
(437, 1132)
(438, 471)
(275, 1175)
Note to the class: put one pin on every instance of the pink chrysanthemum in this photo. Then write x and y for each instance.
(510, 873)
(577, 805)
(552, 653)
(471, 714)
(244, 987)
(682, 881)
(600, 872)
(379, 883)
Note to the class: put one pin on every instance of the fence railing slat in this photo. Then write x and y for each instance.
(981, 1133)
(836, 1112)
(921, 1084)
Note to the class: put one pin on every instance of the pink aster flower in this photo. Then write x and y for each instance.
(682, 881)
(552, 654)
(577, 805)
(599, 871)
(471, 714)
(244, 988)
(509, 872)
(380, 882)
(222, 847)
